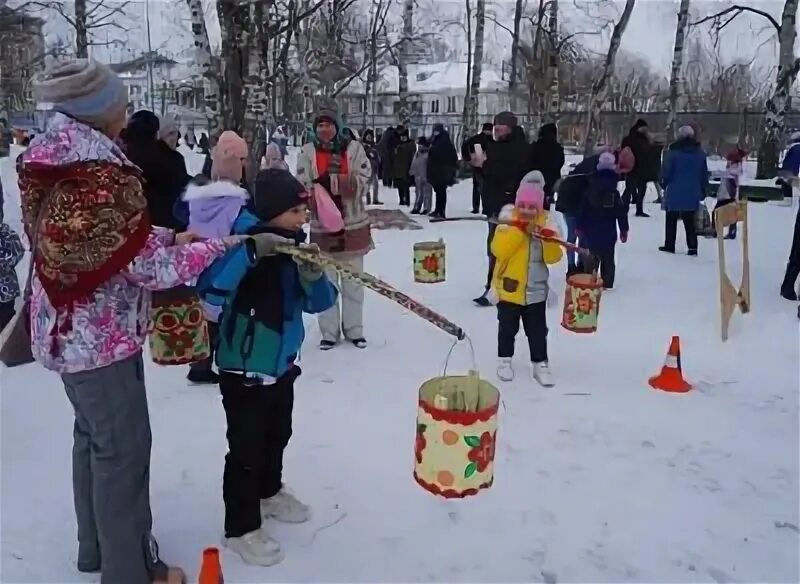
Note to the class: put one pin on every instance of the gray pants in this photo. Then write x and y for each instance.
(375, 185)
(111, 472)
(423, 201)
(351, 298)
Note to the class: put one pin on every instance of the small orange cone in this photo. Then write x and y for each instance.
(671, 377)
(211, 569)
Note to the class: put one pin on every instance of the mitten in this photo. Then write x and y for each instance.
(265, 243)
(520, 224)
(623, 237)
(309, 271)
(547, 232)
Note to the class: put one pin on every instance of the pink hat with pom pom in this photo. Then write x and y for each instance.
(530, 195)
(228, 156)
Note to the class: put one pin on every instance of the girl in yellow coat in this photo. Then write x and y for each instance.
(520, 281)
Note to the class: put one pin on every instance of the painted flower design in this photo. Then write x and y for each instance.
(481, 454)
(420, 443)
(431, 264)
(585, 303)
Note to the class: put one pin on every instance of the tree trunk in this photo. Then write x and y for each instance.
(404, 109)
(468, 82)
(471, 127)
(81, 30)
(779, 102)
(209, 71)
(675, 85)
(554, 104)
(600, 84)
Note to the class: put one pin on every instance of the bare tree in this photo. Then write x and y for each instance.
(471, 108)
(208, 66)
(513, 77)
(85, 18)
(675, 89)
(600, 84)
(788, 66)
(404, 109)
(554, 102)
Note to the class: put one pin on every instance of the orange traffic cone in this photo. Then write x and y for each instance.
(671, 377)
(211, 569)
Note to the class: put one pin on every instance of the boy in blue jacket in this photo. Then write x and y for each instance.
(601, 211)
(263, 296)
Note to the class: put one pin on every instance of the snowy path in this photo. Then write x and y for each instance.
(600, 479)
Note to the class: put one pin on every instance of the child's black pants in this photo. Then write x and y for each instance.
(534, 321)
(259, 427)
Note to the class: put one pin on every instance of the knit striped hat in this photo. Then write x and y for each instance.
(83, 89)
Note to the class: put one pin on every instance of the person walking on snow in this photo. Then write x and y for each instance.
(263, 296)
(602, 210)
(468, 152)
(419, 172)
(506, 160)
(520, 284)
(442, 168)
(96, 264)
(684, 179)
(636, 181)
(790, 168)
(401, 165)
(547, 157)
(213, 208)
(728, 191)
(341, 167)
(368, 141)
(11, 252)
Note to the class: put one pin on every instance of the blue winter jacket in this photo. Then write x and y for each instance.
(601, 212)
(684, 176)
(262, 346)
(791, 161)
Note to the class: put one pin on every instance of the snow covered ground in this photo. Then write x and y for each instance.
(600, 479)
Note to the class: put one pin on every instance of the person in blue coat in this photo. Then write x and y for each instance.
(263, 296)
(684, 178)
(601, 212)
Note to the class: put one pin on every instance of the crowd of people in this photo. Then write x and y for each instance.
(125, 220)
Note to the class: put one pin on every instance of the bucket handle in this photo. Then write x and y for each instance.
(450, 353)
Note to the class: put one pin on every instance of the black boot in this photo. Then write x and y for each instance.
(788, 289)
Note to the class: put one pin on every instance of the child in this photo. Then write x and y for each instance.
(263, 298)
(728, 191)
(601, 211)
(11, 251)
(375, 162)
(213, 207)
(423, 201)
(520, 281)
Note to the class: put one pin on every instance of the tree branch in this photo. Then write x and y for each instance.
(737, 10)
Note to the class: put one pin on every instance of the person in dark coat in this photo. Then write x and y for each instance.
(636, 181)
(467, 152)
(684, 179)
(790, 168)
(548, 158)
(571, 193)
(442, 167)
(368, 141)
(601, 212)
(165, 176)
(203, 143)
(386, 145)
(401, 165)
(507, 161)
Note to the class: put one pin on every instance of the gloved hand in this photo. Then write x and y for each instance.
(547, 232)
(521, 224)
(623, 237)
(265, 243)
(325, 181)
(309, 271)
(232, 241)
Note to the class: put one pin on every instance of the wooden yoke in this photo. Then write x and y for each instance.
(729, 297)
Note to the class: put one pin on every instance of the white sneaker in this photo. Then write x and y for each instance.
(542, 374)
(256, 548)
(285, 507)
(505, 371)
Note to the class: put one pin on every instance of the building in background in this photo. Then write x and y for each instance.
(22, 53)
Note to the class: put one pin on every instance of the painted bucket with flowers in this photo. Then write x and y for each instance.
(429, 261)
(582, 303)
(456, 435)
(178, 329)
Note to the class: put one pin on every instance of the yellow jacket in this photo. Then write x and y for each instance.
(511, 247)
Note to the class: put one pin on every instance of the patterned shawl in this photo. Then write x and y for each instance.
(93, 213)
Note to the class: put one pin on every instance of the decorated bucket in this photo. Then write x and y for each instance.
(178, 332)
(456, 434)
(582, 303)
(429, 262)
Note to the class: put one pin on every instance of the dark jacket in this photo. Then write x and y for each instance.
(374, 156)
(791, 160)
(442, 161)
(468, 148)
(548, 156)
(165, 178)
(507, 161)
(640, 146)
(11, 252)
(261, 328)
(574, 186)
(685, 176)
(602, 210)
(401, 161)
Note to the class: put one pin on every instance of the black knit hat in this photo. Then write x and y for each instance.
(277, 191)
(640, 123)
(487, 127)
(143, 125)
(506, 119)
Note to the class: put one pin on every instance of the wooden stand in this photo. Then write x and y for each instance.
(729, 297)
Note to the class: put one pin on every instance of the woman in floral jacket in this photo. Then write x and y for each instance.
(341, 166)
(97, 259)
